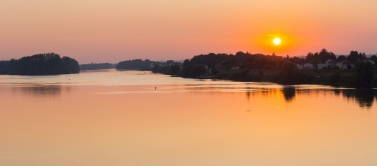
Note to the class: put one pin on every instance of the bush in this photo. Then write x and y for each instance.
(193, 71)
(290, 75)
(222, 75)
(174, 69)
(254, 77)
(335, 79)
(364, 74)
(214, 71)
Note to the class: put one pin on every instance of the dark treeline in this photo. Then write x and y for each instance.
(40, 64)
(238, 67)
(324, 55)
(97, 66)
(243, 60)
(169, 67)
(136, 64)
(4, 67)
(283, 70)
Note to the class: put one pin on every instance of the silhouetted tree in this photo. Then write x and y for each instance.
(355, 56)
(43, 64)
(4, 67)
(136, 64)
(325, 55)
(174, 69)
(290, 75)
(97, 66)
(335, 79)
(186, 62)
(322, 56)
(192, 71)
(364, 74)
(341, 58)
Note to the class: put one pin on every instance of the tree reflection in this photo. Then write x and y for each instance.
(289, 93)
(364, 98)
(337, 92)
(39, 90)
(248, 95)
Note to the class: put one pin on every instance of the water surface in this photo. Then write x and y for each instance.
(138, 118)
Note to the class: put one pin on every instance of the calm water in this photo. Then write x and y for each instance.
(119, 118)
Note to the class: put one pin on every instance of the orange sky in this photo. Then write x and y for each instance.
(116, 30)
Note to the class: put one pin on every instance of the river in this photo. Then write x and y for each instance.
(137, 118)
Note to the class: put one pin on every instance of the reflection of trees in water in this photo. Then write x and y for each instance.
(364, 97)
(248, 95)
(289, 93)
(337, 92)
(40, 90)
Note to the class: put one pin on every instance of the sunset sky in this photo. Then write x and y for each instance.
(116, 30)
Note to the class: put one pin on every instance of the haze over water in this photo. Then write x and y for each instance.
(119, 118)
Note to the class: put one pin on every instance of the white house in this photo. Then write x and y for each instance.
(340, 65)
(370, 61)
(329, 61)
(347, 65)
(308, 66)
(327, 64)
(323, 65)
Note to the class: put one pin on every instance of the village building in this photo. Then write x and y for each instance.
(308, 66)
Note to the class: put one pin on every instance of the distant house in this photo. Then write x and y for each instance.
(348, 65)
(340, 65)
(305, 66)
(327, 65)
(308, 66)
(323, 65)
(163, 64)
(330, 61)
(370, 61)
(151, 65)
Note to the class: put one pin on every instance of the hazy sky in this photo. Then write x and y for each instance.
(116, 30)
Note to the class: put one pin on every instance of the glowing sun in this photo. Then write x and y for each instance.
(277, 41)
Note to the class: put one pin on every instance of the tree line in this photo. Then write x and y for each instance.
(97, 66)
(136, 64)
(40, 64)
(251, 68)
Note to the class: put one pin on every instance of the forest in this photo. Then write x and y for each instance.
(278, 69)
(136, 64)
(97, 66)
(40, 64)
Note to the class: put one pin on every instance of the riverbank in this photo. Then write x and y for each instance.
(350, 78)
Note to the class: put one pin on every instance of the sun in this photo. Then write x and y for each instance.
(277, 41)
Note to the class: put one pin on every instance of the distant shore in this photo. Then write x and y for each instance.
(40, 64)
(324, 68)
